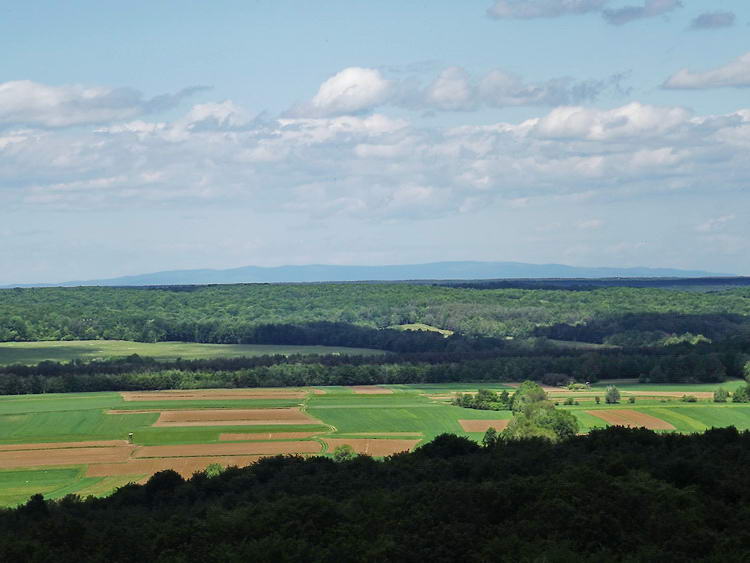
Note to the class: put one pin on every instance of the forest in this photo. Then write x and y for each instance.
(655, 335)
(613, 495)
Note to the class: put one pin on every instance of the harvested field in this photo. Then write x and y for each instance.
(229, 437)
(631, 419)
(62, 445)
(482, 425)
(64, 456)
(386, 434)
(185, 466)
(209, 395)
(234, 417)
(229, 449)
(370, 390)
(373, 447)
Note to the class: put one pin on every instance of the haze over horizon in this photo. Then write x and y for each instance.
(150, 137)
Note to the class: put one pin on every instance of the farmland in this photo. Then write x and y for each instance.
(35, 352)
(58, 444)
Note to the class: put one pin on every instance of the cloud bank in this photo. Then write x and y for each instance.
(713, 20)
(27, 103)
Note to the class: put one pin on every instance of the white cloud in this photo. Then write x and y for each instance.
(23, 102)
(528, 9)
(356, 90)
(352, 90)
(736, 73)
(650, 9)
(377, 167)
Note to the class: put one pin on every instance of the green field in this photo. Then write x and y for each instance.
(422, 409)
(60, 351)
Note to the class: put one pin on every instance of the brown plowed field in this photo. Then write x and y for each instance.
(232, 417)
(373, 447)
(228, 449)
(266, 436)
(62, 445)
(184, 466)
(64, 456)
(203, 394)
(370, 390)
(631, 419)
(384, 433)
(482, 425)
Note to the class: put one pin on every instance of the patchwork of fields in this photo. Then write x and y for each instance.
(78, 443)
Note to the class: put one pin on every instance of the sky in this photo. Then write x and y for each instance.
(158, 135)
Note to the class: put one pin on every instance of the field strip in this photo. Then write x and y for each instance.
(370, 390)
(631, 418)
(64, 456)
(205, 395)
(696, 394)
(480, 425)
(384, 434)
(693, 424)
(185, 466)
(229, 437)
(234, 417)
(230, 449)
(374, 447)
(62, 445)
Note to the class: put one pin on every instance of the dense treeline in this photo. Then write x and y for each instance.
(232, 313)
(614, 495)
(682, 364)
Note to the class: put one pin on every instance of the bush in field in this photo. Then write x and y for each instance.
(570, 401)
(631, 400)
(597, 399)
(741, 395)
(689, 399)
(528, 392)
(721, 395)
(612, 395)
(343, 453)
(214, 469)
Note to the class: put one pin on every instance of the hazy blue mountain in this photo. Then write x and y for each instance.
(431, 271)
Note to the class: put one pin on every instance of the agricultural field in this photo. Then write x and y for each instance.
(59, 351)
(58, 444)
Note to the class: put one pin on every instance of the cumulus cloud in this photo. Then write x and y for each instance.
(712, 20)
(650, 9)
(528, 9)
(374, 166)
(350, 91)
(27, 103)
(736, 73)
(356, 90)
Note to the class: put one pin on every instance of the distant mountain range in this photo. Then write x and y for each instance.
(431, 271)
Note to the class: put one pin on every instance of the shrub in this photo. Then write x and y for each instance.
(721, 395)
(689, 399)
(343, 452)
(597, 399)
(569, 401)
(631, 400)
(612, 395)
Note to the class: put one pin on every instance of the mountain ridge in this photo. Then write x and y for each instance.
(317, 273)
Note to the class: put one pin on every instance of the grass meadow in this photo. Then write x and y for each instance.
(63, 351)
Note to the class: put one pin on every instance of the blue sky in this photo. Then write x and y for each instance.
(147, 136)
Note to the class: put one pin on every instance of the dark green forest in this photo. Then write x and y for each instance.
(613, 495)
(229, 314)
(656, 335)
